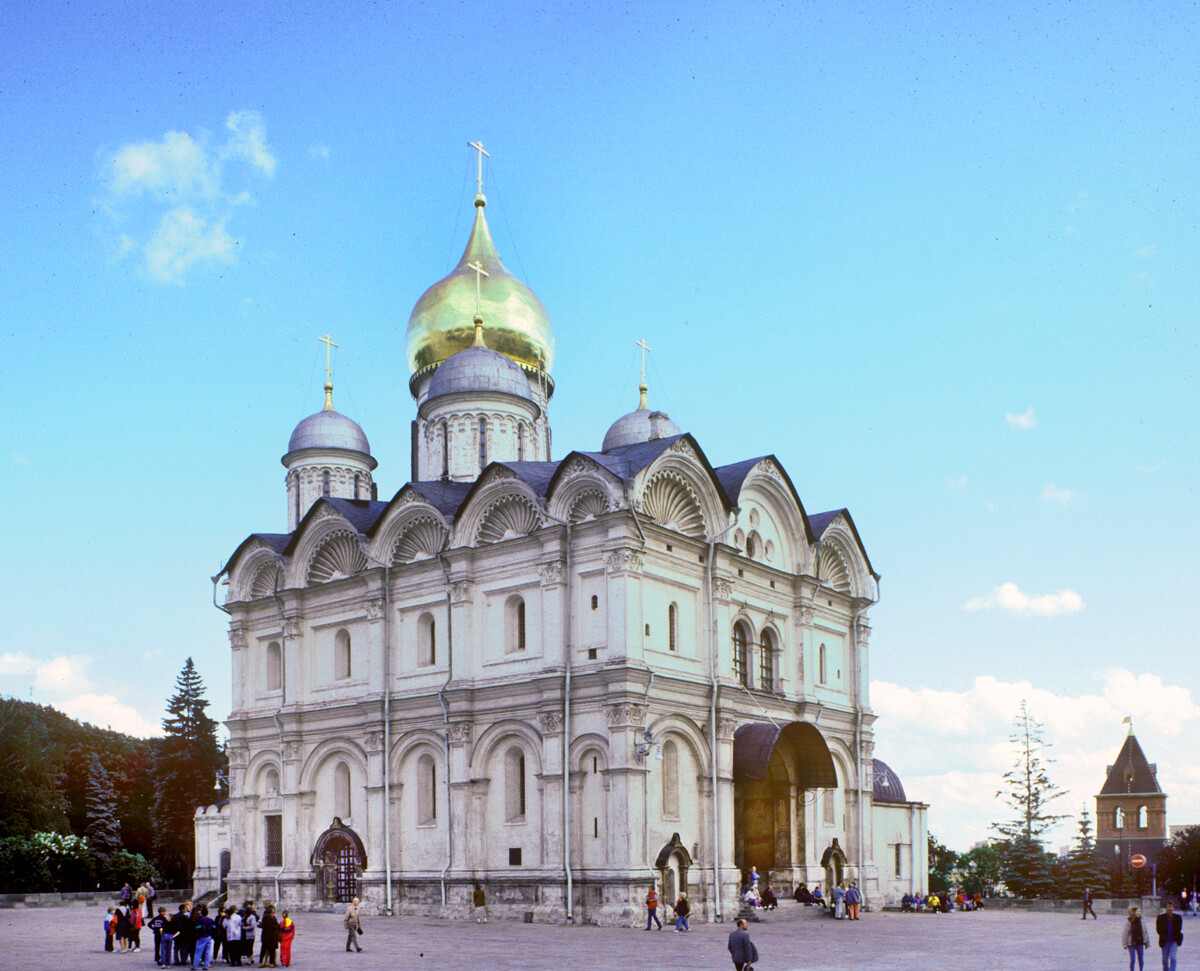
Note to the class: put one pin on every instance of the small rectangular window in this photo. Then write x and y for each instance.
(514, 856)
(591, 654)
(274, 840)
(899, 850)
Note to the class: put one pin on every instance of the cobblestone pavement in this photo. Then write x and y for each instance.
(50, 939)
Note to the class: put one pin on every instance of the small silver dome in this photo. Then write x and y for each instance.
(479, 369)
(642, 425)
(329, 429)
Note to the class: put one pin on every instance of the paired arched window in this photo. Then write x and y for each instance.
(766, 662)
(821, 672)
(514, 623)
(673, 628)
(670, 779)
(325, 483)
(426, 640)
(274, 666)
(514, 785)
(426, 790)
(741, 651)
(341, 791)
(1118, 818)
(1143, 817)
(341, 655)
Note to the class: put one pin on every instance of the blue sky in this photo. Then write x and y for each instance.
(941, 262)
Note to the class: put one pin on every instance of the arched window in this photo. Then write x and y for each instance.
(445, 449)
(821, 664)
(670, 780)
(341, 655)
(324, 483)
(1143, 817)
(274, 666)
(514, 785)
(482, 444)
(740, 651)
(514, 623)
(766, 662)
(356, 483)
(298, 483)
(426, 790)
(1118, 818)
(270, 785)
(341, 791)
(426, 640)
(673, 628)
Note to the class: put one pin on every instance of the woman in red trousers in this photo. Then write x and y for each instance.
(287, 930)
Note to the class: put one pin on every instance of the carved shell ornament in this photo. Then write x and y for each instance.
(833, 570)
(421, 540)
(268, 578)
(508, 518)
(339, 556)
(669, 500)
(588, 505)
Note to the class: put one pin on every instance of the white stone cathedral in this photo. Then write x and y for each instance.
(554, 680)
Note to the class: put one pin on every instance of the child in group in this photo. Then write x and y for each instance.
(110, 921)
(157, 923)
(135, 929)
(287, 930)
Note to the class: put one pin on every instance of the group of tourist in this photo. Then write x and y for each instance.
(191, 937)
(682, 909)
(941, 903)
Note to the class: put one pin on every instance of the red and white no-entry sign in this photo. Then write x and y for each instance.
(1137, 860)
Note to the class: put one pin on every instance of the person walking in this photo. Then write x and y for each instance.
(203, 930)
(110, 925)
(287, 931)
(479, 902)
(270, 938)
(682, 909)
(853, 900)
(353, 924)
(741, 948)
(1170, 935)
(652, 907)
(1134, 937)
(1087, 904)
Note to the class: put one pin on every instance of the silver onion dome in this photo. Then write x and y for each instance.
(479, 369)
(329, 429)
(642, 425)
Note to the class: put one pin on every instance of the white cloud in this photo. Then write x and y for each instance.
(1080, 202)
(19, 459)
(16, 663)
(1145, 252)
(956, 483)
(1064, 497)
(319, 151)
(182, 240)
(1009, 597)
(105, 711)
(170, 201)
(1026, 419)
(950, 748)
(249, 141)
(62, 675)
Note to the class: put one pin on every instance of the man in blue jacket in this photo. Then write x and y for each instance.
(1170, 935)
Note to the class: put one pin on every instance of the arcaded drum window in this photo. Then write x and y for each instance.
(341, 655)
(482, 443)
(426, 640)
(740, 649)
(274, 666)
(672, 628)
(324, 483)
(766, 662)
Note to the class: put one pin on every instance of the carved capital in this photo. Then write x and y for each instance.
(552, 722)
(806, 614)
(864, 633)
(291, 751)
(551, 573)
(459, 733)
(723, 589)
(374, 741)
(237, 637)
(626, 713)
(291, 627)
(460, 592)
(238, 756)
(374, 608)
(622, 560)
(726, 728)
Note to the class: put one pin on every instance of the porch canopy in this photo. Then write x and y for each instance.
(802, 746)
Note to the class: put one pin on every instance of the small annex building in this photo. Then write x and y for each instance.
(549, 678)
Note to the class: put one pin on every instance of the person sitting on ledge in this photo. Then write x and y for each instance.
(906, 903)
(769, 900)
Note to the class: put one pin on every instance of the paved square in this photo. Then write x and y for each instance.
(53, 938)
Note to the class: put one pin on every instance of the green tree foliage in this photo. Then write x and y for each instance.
(1081, 870)
(1027, 786)
(1028, 868)
(103, 825)
(44, 862)
(1179, 862)
(30, 799)
(187, 768)
(942, 863)
(981, 869)
(125, 867)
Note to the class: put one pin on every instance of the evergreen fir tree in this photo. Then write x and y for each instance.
(1083, 870)
(1028, 788)
(187, 766)
(103, 825)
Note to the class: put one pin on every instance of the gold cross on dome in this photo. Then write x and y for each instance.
(642, 406)
(328, 342)
(479, 273)
(478, 146)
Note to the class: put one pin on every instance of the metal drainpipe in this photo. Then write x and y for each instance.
(646, 792)
(858, 763)
(712, 719)
(446, 710)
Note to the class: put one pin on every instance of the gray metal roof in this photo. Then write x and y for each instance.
(639, 426)
(888, 787)
(329, 429)
(479, 369)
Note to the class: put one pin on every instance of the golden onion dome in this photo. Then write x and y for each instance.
(442, 322)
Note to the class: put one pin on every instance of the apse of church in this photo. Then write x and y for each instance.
(548, 678)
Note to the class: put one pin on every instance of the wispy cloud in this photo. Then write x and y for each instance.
(319, 151)
(105, 711)
(171, 199)
(950, 748)
(956, 483)
(16, 663)
(58, 676)
(1079, 202)
(1027, 419)
(1145, 252)
(19, 459)
(1009, 597)
(1064, 497)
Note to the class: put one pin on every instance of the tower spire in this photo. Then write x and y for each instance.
(328, 342)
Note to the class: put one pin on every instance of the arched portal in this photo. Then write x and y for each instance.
(774, 767)
(673, 864)
(338, 857)
(834, 862)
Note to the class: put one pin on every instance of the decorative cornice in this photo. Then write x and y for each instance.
(626, 713)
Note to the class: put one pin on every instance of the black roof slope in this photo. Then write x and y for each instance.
(1131, 773)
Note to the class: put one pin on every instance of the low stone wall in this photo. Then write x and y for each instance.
(1105, 905)
(91, 898)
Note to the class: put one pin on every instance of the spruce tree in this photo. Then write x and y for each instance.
(187, 765)
(103, 825)
(1083, 870)
(1028, 789)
